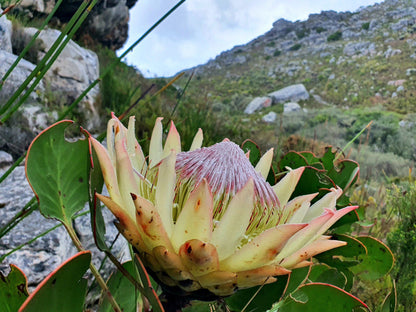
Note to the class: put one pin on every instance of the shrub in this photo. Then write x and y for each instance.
(320, 29)
(402, 241)
(277, 53)
(301, 33)
(295, 47)
(365, 26)
(335, 36)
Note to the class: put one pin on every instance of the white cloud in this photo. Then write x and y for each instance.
(200, 29)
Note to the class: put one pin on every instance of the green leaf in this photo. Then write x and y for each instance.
(323, 274)
(378, 261)
(148, 289)
(293, 160)
(95, 186)
(346, 174)
(390, 302)
(321, 297)
(199, 306)
(262, 301)
(253, 148)
(344, 256)
(57, 171)
(63, 290)
(296, 278)
(122, 290)
(13, 289)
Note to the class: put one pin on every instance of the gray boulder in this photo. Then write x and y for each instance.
(295, 92)
(73, 71)
(270, 117)
(5, 34)
(39, 6)
(360, 48)
(5, 159)
(107, 24)
(17, 77)
(257, 104)
(291, 107)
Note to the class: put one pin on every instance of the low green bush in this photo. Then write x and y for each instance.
(366, 26)
(295, 47)
(402, 241)
(335, 36)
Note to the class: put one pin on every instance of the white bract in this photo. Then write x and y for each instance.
(206, 219)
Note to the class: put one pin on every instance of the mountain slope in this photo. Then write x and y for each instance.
(361, 58)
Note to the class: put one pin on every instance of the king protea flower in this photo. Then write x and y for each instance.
(207, 219)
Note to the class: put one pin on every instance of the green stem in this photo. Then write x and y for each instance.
(93, 269)
(352, 141)
(26, 211)
(15, 164)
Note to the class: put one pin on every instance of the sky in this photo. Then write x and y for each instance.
(199, 30)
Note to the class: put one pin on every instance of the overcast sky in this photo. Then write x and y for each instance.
(199, 30)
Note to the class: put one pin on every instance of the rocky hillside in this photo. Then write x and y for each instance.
(349, 59)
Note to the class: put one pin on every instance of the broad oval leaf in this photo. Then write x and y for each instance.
(323, 274)
(378, 261)
(262, 297)
(57, 171)
(323, 298)
(63, 290)
(123, 291)
(13, 289)
(253, 149)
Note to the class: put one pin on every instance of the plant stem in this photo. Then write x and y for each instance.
(93, 269)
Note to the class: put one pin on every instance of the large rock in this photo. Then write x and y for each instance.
(270, 117)
(107, 23)
(5, 34)
(73, 71)
(43, 255)
(32, 117)
(293, 93)
(38, 6)
(17, 77)
(360, 48)
(257, 104)
(291, 107)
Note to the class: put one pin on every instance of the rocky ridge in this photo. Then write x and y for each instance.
(328, 53)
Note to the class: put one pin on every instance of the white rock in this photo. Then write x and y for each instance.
(73, 71)
(17, 77)
(270, 117)
(5, 159)
(257, 104)
(295, 92)
(291, 107)
(5, 34)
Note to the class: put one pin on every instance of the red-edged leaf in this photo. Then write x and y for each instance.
(149, 291)
(63, 290)
(378, 261)
(57, 171)
(323, 298)
(13, 289)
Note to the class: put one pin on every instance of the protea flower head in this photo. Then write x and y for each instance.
(206, 220)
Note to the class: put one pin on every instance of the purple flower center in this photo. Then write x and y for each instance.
(226, 169)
